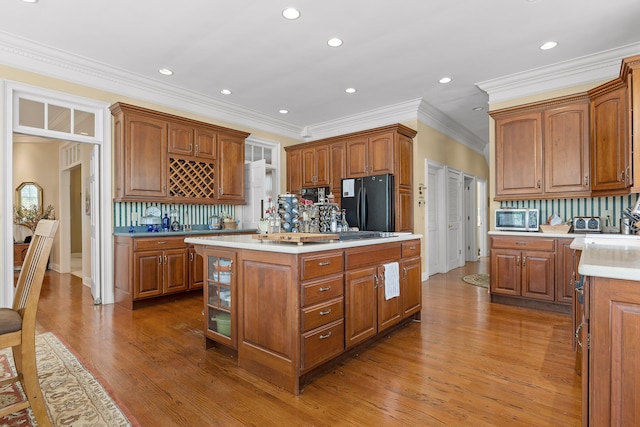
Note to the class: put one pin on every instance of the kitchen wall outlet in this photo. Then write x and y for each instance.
(607, 215)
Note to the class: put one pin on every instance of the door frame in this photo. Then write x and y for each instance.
(102, 209)
(441, 224)
(470, 221)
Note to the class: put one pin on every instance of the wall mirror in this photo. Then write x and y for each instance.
(29, 194)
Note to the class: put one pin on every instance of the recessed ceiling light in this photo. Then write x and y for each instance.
(291, 13)
(165, 71)
(334, 42)
(350, 90)
(548, 45)
(31, 1)
(225, 92)
(445, 80)
(283, 111)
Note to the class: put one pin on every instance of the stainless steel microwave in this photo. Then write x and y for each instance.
(517, 219)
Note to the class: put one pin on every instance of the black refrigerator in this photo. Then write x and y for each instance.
(369, 202)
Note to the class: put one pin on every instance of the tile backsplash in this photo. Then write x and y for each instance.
(195, 214)
(569, 208)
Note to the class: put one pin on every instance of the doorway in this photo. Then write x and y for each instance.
(75, 220)
(69, 118)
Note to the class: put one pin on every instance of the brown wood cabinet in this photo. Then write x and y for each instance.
(566, 269)
(220, 296)
(188, 140)
(294, 170)
(315, 166)
(337, 167)
(523, 267)
(140, 156)
(19, 253)
(611, 163)
(149, 267)
(542, 149)
(630, 72)
(376, 151)
(289, 312)
(170, 159)
(610, 359)
(367, 310)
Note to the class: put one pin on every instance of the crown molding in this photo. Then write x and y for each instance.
(52, 62)
(48, 61)
(583, 70)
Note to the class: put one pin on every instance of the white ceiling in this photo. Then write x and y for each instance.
(394, 53)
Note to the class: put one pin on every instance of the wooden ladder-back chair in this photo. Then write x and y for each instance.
(18, 324)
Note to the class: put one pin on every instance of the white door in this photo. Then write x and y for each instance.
(435, 221)
(91, 201)
(455, 255)
(254, 192)
(470, 219)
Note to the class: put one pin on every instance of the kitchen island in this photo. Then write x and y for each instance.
(610, 329)
(288, 310)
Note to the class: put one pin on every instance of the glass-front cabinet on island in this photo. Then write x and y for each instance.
(220, 291)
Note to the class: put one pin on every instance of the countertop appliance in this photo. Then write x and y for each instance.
(587, 224)
(315, 194)
(517, 219)
(369, 202)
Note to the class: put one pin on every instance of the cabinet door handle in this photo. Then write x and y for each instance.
(191, 257)
(524, 261)
(518, 261)
(586, 180)
(375, 277)
(190, 147)
(404, 272)
(539, 183)
(577, 335)
(324, 313)
(159, 259)
(325, 289)
(324, 263)
(197, 149)
(327, 335)
(165, 259)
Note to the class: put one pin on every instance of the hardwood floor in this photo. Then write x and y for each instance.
(468, 362)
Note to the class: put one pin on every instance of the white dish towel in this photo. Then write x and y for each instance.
(391, 280)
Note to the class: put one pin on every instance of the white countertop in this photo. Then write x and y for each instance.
(610, 256)
(247, 242)
(532, 234)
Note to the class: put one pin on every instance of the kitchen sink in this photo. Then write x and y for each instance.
(358, 235)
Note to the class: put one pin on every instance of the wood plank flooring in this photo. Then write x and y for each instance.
(468, 362)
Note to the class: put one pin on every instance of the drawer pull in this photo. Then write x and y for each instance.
(327, 335)
(324, 313)
(323, 263)
(521, 243)
(328, 288)
(413, 248)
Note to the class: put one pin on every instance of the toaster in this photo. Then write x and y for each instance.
(587, 224)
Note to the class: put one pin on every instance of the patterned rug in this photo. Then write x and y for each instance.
(481, 280)
(73, 396)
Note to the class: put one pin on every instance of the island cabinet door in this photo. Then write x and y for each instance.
(361, 305)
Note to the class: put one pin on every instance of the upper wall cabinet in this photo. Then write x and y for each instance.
(611, 163)
(169, 159)
(631, 74)
(542, 149)
(377, 151)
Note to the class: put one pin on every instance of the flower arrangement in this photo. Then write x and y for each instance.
(30, 216)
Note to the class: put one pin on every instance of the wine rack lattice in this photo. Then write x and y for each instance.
(191, 179)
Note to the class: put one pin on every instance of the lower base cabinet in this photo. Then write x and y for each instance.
(151, 267)
(532, 271)
(290, 314)
(611, 339)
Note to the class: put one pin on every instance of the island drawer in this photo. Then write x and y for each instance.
(159, 243)
(411, 249)
(321, 290)
(320, 314)
(523, 243)
(366, 256)
(321, 264)
(322, 344)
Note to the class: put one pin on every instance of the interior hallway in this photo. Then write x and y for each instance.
(468, 362)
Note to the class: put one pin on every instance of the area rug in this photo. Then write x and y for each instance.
(481, 280)
(73, 395)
